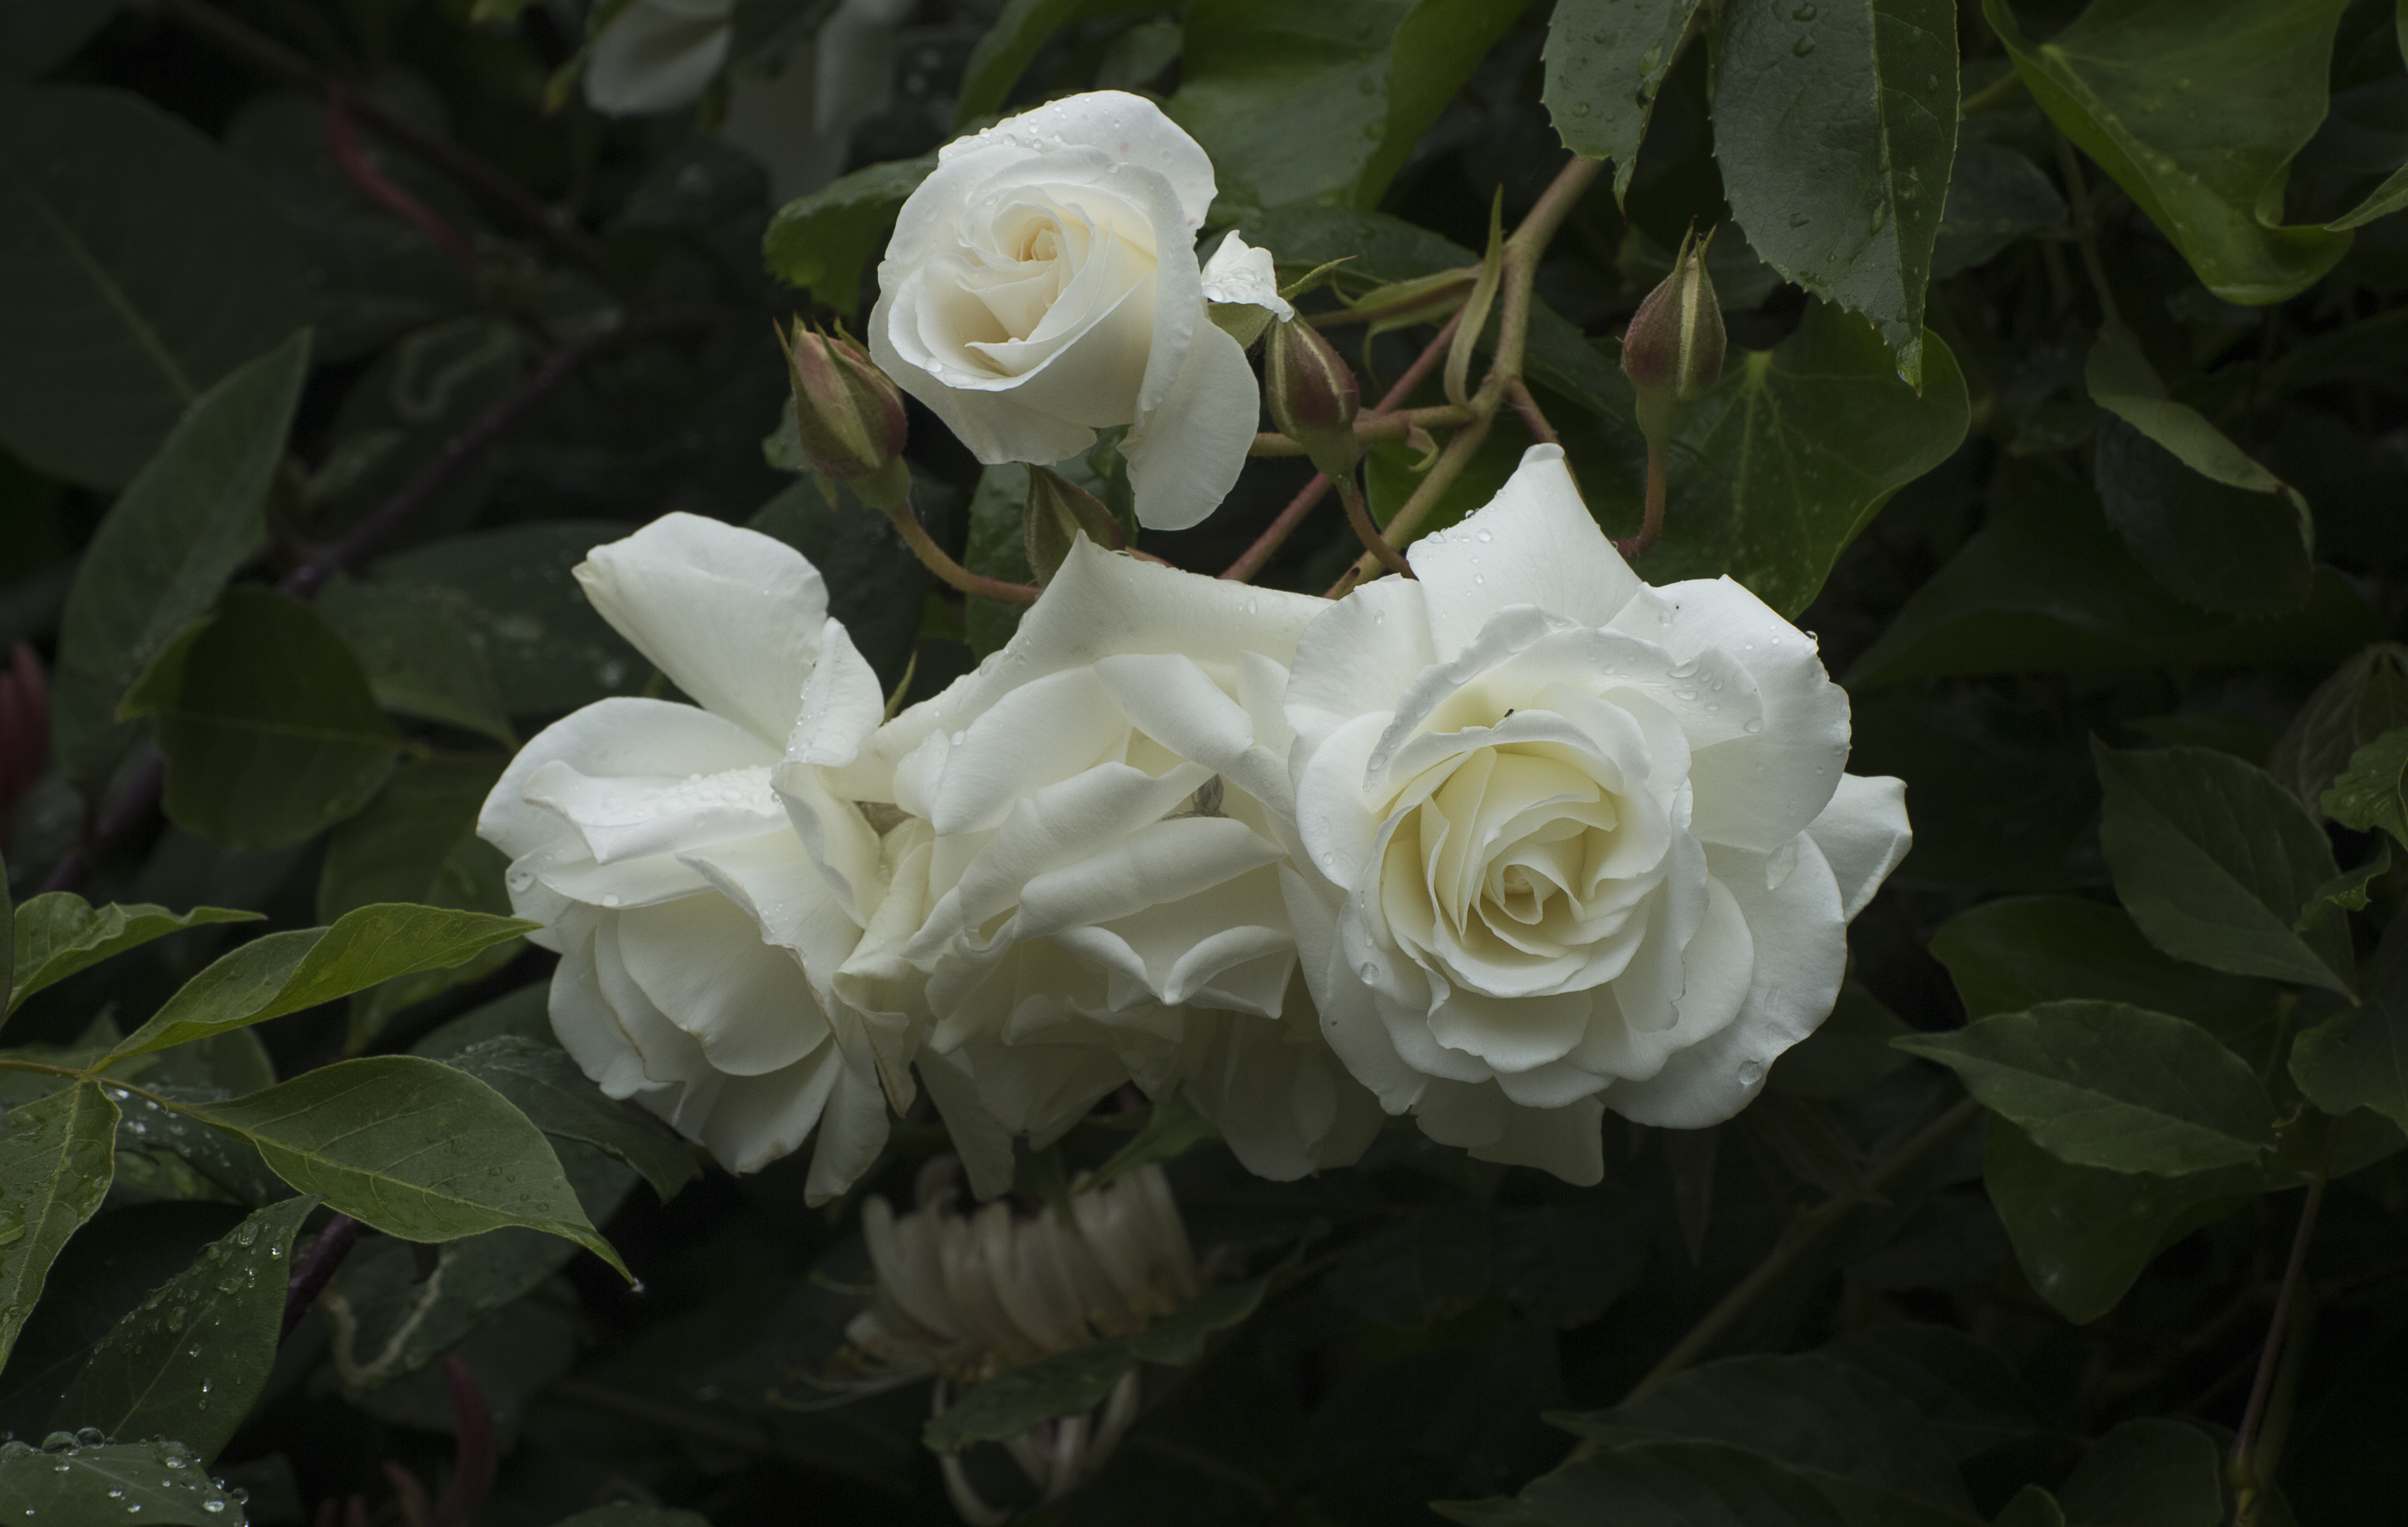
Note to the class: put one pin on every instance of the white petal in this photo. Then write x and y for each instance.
(1759, 790)
(1350, 1020)
(658, 55)
(1185, 452)
(585, 1025)
(980, 1139)
(1533, 544)
(732, 616)
(615, 737)
(1173, 701)
(853, 1131)
(1801, 952)
(1864, 835)
(1568, 1141)
(703, 963)
(622, 816)
(1129, 129)
(992, 425)
(754, 1121)
(1239, 273)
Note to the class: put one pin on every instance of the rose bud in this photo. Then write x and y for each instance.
(1673, 349)
(1312, 397)
(849, 414)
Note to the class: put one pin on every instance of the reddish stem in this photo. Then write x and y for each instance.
(1251, 562)
(343, 142)
(316, 1267)
(475, 1464)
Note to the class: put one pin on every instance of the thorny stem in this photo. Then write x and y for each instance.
(343, 143)
(1277, 531)
(1801, 1237)
(2077, 190)
(2243, 1468)
(1520, 277)
(1358, 514)
(932, 556)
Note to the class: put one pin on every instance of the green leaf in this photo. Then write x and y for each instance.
(2045, 585)
(2359, 1058)
(2032, 1506)
(1323, 102)
(1966, 1392)
(1172, 1128)
(998, 549)
(2364, 698)
(32, 38)
(2019, 951)
(2372, 791)
(165, 550)
(551, 1089)
(2109, 1085)
(2147, 1473)
(1662, 1484)
(1847, 1052)
(285, 972)
(107, 331)
(1995, 197)
(419, 649)
(267, 723)
(1179, 1339)
(1004, 50)
(2196, 109)
(1850, 210)
(1795, 450)
(191, 1360)
(417, 842)
(1830, 1422)
(1605, 62)
(2216, 862)
(83, 1486)
(874, 583)
(821, 242)
(413, 1147)
(2383, 200)
(54, 1170)
(2215, 527)
(512, 590)
(167, 1154)
(2083, 1235)
(432, 385)
(58, 933)
(2345, 891)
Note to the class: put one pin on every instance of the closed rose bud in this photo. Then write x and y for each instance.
(1312, 397)
(1673, 350)
(849, 415)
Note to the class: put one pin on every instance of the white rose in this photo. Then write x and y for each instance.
(1043, 285)
(1572, 843)
(1106, 801)
(707, 968)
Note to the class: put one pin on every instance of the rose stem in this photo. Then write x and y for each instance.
(1358, 514)
(1520, 277)
(1803, 1232)
(1374, 424)
(315, 1268)
(2242, 1472)
(1247, 565)
(1518, 393)
(1653, 526)
(933, 557)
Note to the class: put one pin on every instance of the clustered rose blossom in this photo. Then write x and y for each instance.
(1504, 847)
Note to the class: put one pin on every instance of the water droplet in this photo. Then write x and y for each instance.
(1802, 47)
(611, 900)
(1580, 108)
(1750, 1073)
(1803, 14)
(93, 1436)
(1798, 220)
(1753, 726)
(1486, 536)
(1370, 972)
(213, 1507)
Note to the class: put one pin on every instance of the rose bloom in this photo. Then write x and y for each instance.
(1041, 285)
(1571, 843)
(1107, 805)
(707, 970)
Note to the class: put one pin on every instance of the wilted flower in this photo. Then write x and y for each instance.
(964, 1296)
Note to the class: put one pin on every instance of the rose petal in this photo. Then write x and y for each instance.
(702, 962)
(1191, 438)
(1533, 544)
(732, 616)
(620, 736)
(853, 1128)
(982, 1141)
(1239, 274)
(1864, 835)
(1358, 657)
(992, 425)
(1349, 1021)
